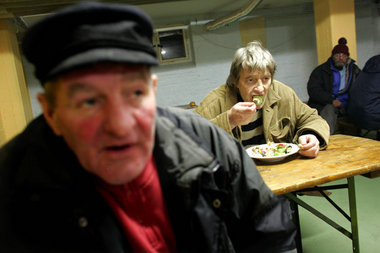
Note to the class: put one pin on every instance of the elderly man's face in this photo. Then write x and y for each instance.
(106, 115)
(253, 83)
(340, 60)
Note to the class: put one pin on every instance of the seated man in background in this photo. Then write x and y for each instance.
(256, 109)
(330, 82)
(106, 170)
(364, 104)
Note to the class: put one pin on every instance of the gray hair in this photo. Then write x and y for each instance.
(253, 56)
(50, 91)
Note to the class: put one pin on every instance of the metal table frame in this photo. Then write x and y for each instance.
(352, 218)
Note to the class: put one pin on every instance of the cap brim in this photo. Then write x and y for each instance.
(98, 55)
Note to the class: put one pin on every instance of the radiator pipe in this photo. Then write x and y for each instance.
(215, 24)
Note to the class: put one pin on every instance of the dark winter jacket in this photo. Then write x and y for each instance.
(216, 198)
(364, 105)
(320, 84)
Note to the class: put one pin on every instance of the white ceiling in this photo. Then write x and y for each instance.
(173, 11)
(25, 12)
(212, 8)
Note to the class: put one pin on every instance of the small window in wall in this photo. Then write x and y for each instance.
(172, 44)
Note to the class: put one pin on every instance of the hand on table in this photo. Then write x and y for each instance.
(310, 145)
(241, 114)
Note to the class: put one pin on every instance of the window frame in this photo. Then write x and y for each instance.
(186, 43)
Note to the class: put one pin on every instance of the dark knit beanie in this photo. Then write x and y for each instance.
(341, 47)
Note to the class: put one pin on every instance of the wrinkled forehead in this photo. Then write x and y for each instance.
(107, 69)
(99, 77)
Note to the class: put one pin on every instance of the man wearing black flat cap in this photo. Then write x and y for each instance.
(106, 170)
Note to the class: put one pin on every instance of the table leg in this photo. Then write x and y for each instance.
(353, 214)
(296, 220)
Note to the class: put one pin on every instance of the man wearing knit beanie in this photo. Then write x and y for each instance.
(330, 82)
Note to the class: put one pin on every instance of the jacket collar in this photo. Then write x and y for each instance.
(179, 148)
(272, 96)
(231, 97)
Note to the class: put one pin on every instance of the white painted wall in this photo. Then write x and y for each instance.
(34, 87)
(290, 39)
(213, 53)
(367, 34)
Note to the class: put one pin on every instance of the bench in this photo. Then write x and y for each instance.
(346, 126)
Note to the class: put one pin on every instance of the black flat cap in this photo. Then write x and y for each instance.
(89, 33)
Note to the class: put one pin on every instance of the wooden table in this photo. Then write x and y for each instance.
(345, 157)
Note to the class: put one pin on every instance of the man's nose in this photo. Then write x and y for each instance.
(118, 119)
(259, 86)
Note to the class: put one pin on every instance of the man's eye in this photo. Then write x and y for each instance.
(138, 93)
(89, 102)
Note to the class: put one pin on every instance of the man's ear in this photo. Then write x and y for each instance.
(154, 83)
(49, 113)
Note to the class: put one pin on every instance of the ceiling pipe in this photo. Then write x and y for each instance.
(215, 24)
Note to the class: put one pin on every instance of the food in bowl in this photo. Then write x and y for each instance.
(272, 149)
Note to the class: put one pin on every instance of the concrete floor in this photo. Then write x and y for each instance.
(319, 237)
